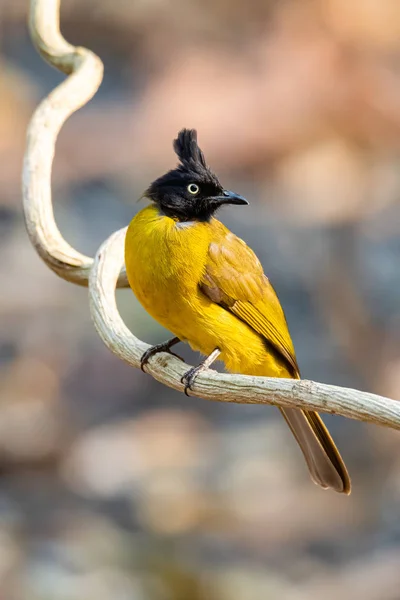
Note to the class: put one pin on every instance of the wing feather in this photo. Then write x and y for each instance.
(235, 279)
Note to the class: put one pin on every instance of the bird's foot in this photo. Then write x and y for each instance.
(190, 376)
(164, 347)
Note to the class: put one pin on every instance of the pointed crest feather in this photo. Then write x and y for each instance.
(192, 158)
(187, 149)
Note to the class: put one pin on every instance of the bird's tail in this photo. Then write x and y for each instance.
(326, 466)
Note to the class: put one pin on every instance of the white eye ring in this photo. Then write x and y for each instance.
(193, 188)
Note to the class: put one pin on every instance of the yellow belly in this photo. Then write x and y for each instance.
(165, 262)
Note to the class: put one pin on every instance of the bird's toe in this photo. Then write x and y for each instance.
(189, 378)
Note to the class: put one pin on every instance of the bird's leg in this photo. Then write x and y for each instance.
(189, 378)
(164, 347)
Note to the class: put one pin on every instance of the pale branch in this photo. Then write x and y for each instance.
(212, 385)
(85, 72)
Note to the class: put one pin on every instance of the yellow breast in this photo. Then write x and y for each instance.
(165, 260)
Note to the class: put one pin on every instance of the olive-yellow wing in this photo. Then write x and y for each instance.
(234, 279)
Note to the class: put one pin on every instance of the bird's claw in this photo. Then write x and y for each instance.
(165, 347)
(189, 378)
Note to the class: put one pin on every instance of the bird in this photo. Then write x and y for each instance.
(208, 288)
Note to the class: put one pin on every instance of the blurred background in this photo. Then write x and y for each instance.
(113, 487)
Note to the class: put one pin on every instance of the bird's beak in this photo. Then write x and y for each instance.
(230, 198)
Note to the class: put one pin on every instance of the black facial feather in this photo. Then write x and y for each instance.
(171, 192)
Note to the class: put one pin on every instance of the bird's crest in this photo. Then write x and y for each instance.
(187, 148)
(191, 156)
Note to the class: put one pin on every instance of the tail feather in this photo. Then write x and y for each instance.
(325, 464)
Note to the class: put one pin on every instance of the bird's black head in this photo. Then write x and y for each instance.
(191, 192)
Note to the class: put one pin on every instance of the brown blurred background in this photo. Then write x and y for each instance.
(113, 487)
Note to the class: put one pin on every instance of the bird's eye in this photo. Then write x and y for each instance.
(193, 188)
